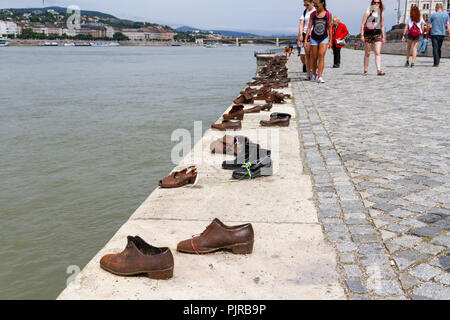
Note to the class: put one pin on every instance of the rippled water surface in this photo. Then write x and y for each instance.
(84, 138)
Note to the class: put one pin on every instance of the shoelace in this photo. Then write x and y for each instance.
(247, 166)
(197, 236)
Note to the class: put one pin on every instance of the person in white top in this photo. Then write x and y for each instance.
(413, 25)
(302, 41)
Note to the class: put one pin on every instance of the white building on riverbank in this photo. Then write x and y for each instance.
(8, 28)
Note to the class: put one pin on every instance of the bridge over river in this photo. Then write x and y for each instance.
(238, 41)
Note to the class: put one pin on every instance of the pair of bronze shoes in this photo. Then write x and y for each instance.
(141, 258)
(180, 178)
(277, 119)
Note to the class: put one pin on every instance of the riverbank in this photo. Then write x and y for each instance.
(291, 259)
(36, 43)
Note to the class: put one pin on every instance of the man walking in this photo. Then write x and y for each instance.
(439, 21)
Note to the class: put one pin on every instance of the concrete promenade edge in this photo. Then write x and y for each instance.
(291, 257)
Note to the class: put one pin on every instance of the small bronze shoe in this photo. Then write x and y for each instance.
(236, 113)
(276, 121)
(139, 257)
(180, 178)
(228, 125)
(218, 236)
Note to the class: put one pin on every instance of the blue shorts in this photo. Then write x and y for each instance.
(316, 43)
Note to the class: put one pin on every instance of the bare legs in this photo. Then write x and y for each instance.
(315, 56)
(414, 45)
(322, 51)
(377, 51)
(308, 57)
(318, 58)
(367, 48)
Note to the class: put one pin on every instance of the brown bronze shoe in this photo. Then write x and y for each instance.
(228, 125)
(180, 178)
(139, 257)
(218, 236)
(236, 113)
(276, 122)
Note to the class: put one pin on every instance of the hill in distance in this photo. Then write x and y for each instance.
(226, 33)
(64, 10)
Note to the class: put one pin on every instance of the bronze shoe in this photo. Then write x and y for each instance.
(228, 125)
(180, 178)
(276, 122)
(236, 113)
(218, 236)
(139, 257)
(257, 109)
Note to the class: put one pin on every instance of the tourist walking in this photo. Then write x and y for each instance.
(339, 33)
(426, 37)
(413, 26)
(373, 34)
(320, 34)
(439, 21)
(303, 40)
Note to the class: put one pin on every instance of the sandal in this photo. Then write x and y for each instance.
(365, 74)
(180, 178)
(380, 73)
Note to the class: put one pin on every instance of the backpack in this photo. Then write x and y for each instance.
(414, 31)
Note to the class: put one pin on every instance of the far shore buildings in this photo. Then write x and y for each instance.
(96, 30)
(148, 34)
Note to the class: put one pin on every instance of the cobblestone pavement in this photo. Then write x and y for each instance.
(378, 151)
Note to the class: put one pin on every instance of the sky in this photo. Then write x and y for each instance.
(264, 17)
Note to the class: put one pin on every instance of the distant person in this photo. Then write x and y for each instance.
(373, 33)
(320, 34)
(439, 20)
(339, 33)
(303, 41)
(426, 37)
(290, 49)
(413, 25)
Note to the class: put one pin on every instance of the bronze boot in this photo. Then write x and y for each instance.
(139, 257)
(218, 236)
(236, 113)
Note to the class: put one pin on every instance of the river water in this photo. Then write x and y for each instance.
(84, 138)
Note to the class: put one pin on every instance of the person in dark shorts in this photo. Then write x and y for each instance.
(413, 29)
(373, 34)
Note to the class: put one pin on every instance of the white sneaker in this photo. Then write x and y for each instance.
(313, 77)
(320, 80)
(308, 77)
